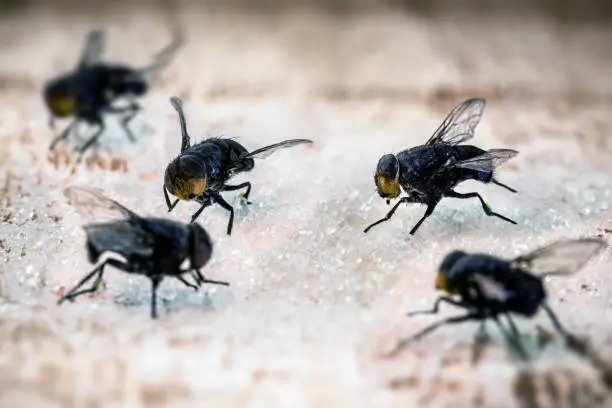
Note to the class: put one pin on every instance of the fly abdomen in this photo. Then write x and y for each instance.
(526, 294)
(484, 176)
(466, 152)
(233, 151)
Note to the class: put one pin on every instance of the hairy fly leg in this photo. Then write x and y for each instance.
(485, 206)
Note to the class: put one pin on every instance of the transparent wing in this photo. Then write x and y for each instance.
(94, 47)
(460, 123)
(166, 55)
(490, 288)
(487, 161)
(268, 150)
(91, 204)
(560, 258)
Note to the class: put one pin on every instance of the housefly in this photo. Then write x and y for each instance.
(201, 172)
(92, 88)
(153, 247)
(488, 287)
(430, 172)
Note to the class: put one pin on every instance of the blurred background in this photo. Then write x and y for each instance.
(335, 49)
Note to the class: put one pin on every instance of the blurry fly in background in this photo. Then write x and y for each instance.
(429, 172)
(90, 91)
(488, 287)
(201, 171)
(153, 247)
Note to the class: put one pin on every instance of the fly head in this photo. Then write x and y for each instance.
(443, 280)
(59, 98)
(185, 177)
(387, 177)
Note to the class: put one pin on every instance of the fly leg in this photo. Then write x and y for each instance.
(451, 320)
(64, 135)
(511, 337)
(204, 280)
(132, 110)
(155, 281)
(93, 139)
(98, 272)
(430, 209)
(191, 285)
(503, 185)
(247, 184)
(574, 342)
(485, 206)
(387, 217)
(217, 197)
(168, 203)
(481, 339)
(195, 216)
(436, 306)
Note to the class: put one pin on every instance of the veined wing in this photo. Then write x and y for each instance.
(93, 205)
(487, 161)
(264, 152)
(560, 258)
(460, 123)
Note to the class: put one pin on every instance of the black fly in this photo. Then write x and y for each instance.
(429, 172)
(153, 247)
(201, 171)
(489, 287)
(91, 89)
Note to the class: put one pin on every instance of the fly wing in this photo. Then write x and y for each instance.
(93, 49)
(164, 57)
(460, 123)
(489, 288)
(488, 161)
(268, 150)
(91, 204)
(560, 258)
(121, 237)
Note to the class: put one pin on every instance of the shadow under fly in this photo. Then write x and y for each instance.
(491, 288)
(201, 171)
(153, 247)
(90, 90)
(430, 172)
